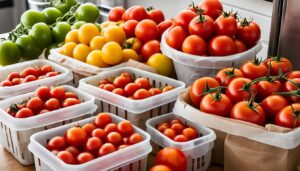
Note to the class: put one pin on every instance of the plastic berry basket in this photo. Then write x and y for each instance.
(15, 132)
(132, 158)
(198, 151)
(136, 111)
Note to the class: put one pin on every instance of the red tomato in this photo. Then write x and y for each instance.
(131, 88)
(167, 88)
(111, 127)
(143, 83)
(119, 91)
(52, 104)
(29, 71)
(180, 138)
(102, 120)
(194, 45)
(141, 94)
(190, 133)
(175, 37)
(173, 158)
(221, 46)
(72, 150)
(52, 74)
(57, 143)
(239, 89)
(116, 13)
(106, 148)
(160, 168)
(289, 86)
(24, 113)
(43, 93)
(216, 103)
(248, 32)
(162, 127)
(272, 105)
(135, 12)
(44, 111)
(202, 26)
(76, 136)
(252, 112)
(13, 75)
(58, 93)
(226, 75)
(16, 81)
(155, 91)
(163, 26)
(184, 17)
(239, 46)
(135, 138)
(100, 133)
(35, 104)
(170, 133)
(266, 88)
(29, 78)
(177, 127)
(125, 128)
(293, 74)
(289, 116)
(70, 102)
(6, 83)
(211, 8)
(89, 128)
(199, 87)
(70, 95)
(226, 24)
(254, 69)
(150, 48)
(114, 138)
(46, 68)
(278, 64)
(156, 15)
(66, 157)
(93, 143)
(85, 157)
(174, 121)
(129, 27)
(121, 82)
(146, 30)
(109, 87)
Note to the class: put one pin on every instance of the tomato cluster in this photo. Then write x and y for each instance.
(45, 100)
(205, 30)
(102, 137)
(27, 75)
(257, 92)
(177, 130)
(136, 89)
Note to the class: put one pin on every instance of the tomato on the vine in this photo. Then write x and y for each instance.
(289, 116)
(248, 32)
(254, 69)
(272, 105)
(293, 74)
(226, 75)
(266, 88)
(240, 89)
(279, 64)
(292, 85)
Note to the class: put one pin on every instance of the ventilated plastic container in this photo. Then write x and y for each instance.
(64, 77)
(15, 132)
(132, 158)
(136, 111)
(198, 151)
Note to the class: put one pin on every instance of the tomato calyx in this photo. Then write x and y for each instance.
(218, 95)
(245, 22)
(196, 8)
(201, 18)
(257, 61)
(208, 90)
(227, 14)
(277, 58)
(128, 45)
(296, 114)
(251, 104)
(151, 8)
(230, 73)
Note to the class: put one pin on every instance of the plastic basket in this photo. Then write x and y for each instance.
(38, 5)
(198, 150)
(137, 111)
(132, 158)
(15, 132)
(64, 77)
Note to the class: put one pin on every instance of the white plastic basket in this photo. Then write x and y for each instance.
(38, 5)
(15, 132)
(198, 151)
(191, 67)
(137, 111)
(5, 92)
(132, 158)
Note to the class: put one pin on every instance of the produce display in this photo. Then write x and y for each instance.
(207, 30)
(259, 92)
(45, 100)
(177, 130)
(136, 89)
(28, 75)
(82, 144)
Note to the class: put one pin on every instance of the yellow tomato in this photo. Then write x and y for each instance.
(72, 36)
(130, 54)
(106, 24)
(112, 53)
(81, 52)
(161, 63)
(133, 43)
(67, 49)
(115, 34)
(97, 43)
(95, 58)
(86, 32)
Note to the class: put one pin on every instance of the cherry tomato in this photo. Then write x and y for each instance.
(135, 138)
(173, 158)
(160, 168)
(155, 91)
(149, 48)
(141, 94)
(111, 127)
(266, 88)
(116, 13)
(35, 104)
(6, 83)
(109, 87)
(211, 8)
(131, 88)
(12, 75)
(190, 133)
(162, 127)
(163, 26)
(272, 105)
(129, 27)
(194, 45)
(43, 93)
(29, 78)
(184, 17)
(52, 104)
(174, 121)
(72, 150)
(156, 15)
(44, 111)
(221, 46)
(176, 37)
(180, 138)
(24, 113)
(100, 133)
(290, 86)
(289, 116)
(106, 148)
(17, 81)
(293, 74)
(202, 26)
(56, 143)
(93, 144)
(239, 46)
(170, 133)
(70, 95)
(125, 128)
(58, 93)
(89, 128)
(121, 82)
(119, 91)
(226, 24)
(254, 69)
(29, 71)
(177, 127)
(167, 88)
(70, 102)
(226, 75)
(252, 112)
(114, 138)
(46, 68)
(76, 136)
(146, 30)
(217, 104)
(135, 12)
(143, 83)
(239, 89)
(66, 157)
(248, 32)
(278, 64)
(84, 157)
(52, 74)
(104, 81)
(102, 120)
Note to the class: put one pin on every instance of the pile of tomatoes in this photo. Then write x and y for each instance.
(136, 89)
(207, 30)
(44, 100)
(28, 74)
(257, 92)
(177, 130)
(92, 140)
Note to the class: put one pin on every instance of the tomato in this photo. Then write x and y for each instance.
(43, 93)
(167, 88)
(211, 8)
(221, 46)
(70, 102)
(162, 127)
(135, 138)
(143, 83)
(180, 138)
(119, 91)
(52, 74)
(226, 24)
(100, 133)
(202, 26)
(57, 143)
(72, 150)
(29, 78)
(160, 168)
(102, 120)
(112, 53)
(46, 68)
(249, 112)
(87, 12)
(30, 17)
(190, 133)
(170, 133)
(133, 43)
(95, 58)
(97, 43)
(163, 26)
(156, 15)
(72, 36)
(226, 75)
(173, 158)
(141, 94)
(114, 138)
(272, 105)
(28, 47)
(116, 13)
(155, 91)
(89, 128)
(194, 45)
(216, 103)
(60, 31)
(162, 64)
(254, 69)
(78, 24)
(239, 46)
(130, 54)
(84, 157)
(105, 149)
(135, 12)
(146, 30)
(248, 32)
(109, 87)
(239, 89)
(24, 113)
(9, 53)
(279, 64)
(115, 34)
(64, 6)
(176, 37)
(266, 88)
(149, 48)
(52, 104)
(184, 17)
(125, 128)
(293, 74)
(66, 157)
(290, 86)
(35, 104)
(131, 88)
(12, 75)
(87, 32)
(68, 49)
(58, 93)
(29, 71)
(51, 14)
(93, 143)
(129, 27)
(76, 136)
(289, 116)
(121, 82)
(199, 87)
(177, 127)
(41, 34)
(174, 121)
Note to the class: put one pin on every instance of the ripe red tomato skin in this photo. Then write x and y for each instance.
(163, 26)
(149, 48)
(70, 102)
(56, 143)
(293, 74)
(194, 45)
(84, 157)
(116, 14)
(58, 93)
(173, 158)
(141, 94)
(29, 78)
(121, 82)
(76, 136)
(239, 46)
(12, 75)
(43, 93)
(184, 17)
(6, 83)
(223, 78)
(52, 104)
(46, 68)
(156, 15)
(160, 168)
(135, 12)
(203, 29)
(221, 46)
(66, 156)
(35, 104)
(266, 88)
(248, 34)
(129, 27)
(289, 86)
(24, 113)
(272, 105)
(220, 107)
(155, 91)
(131, 88)
(253, 71)
(109, 87)
(283, 64)
(211, 8)
(235, 93)
(143, 83)
(125, 128)
(146, 30)
(105, 149)
(225, 25)
(102, 120)
(176, 37)
(285, 117)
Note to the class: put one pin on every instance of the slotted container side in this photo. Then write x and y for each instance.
(136, 111)
(132, 158)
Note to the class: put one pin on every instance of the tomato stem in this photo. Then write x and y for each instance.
(296, 115)
(150, 8)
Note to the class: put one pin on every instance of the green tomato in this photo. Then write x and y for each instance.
(9, 53)
(30, 17)
(49, 48)
(51, 14)
(65, 6)
(78, 24)
(41, 34)
(87, 12)
(60, 31)
(28, 47)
